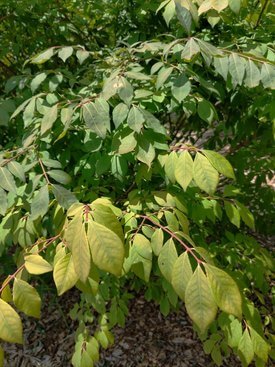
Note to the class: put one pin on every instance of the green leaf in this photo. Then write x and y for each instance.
(184, 169)
(190, 50)
(181, 88)
(60, 176)
(170, 166)
(96, 116)
(234, 333)
(17, 170)
(26, 298)
(10, 324)
(37, 81)
(246, 215)
(3, 202)
(40, 203)
(184, 16)
(125, 90)
(206, 111)
(235, 5)
(199, 300)
(167, 258)
(82, 55)
(218, 5)
(252, 75)
(221, 65)
(81, 254)
(141, 257)
(220, 163)
(232, 213)
(205, 176)
(106, 247)
(6, 180)
(237, 67)
(260, 346)
(35, 264)
(65, 52)
(268, 75)
(135, 119)
(120, 113)
(157, 241)
(225, 291)
(163, 75)
(245, 348)
(64, 274)
(64, 197)
(181, 275)
(48, 119)
(145, 151)
(169, 12)
(43, 56)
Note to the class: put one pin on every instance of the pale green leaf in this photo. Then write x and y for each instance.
(190, 50)
(221, 65)
(40, 203)
(3, 202)
(206, 111)
(157, 241)
(17, 170)
(82, 55)
(245, 348)
(199, 300)
(204, 174)
(167, 258)
(252, 74)
(246, 215)
(237, 67)
(181, 88)
(64, 274)
(37, 81)
(141, 257)
(135, 119)
(49, 119)
(169, 12)
(163, 75)
(120, 113)
(26, 298)
(181, 274)
(65, 52)
(60, 176)
(96, 116)
(125, 90)
(184, 16)
(35, 264)
(10, 324)
(235, 5)
(106, 247)
(260, 345)
(184, 169)
(43, 56)
(64, 197)
(268, 75)
(219, 162)
(232, 213)
(225, 291)
(145, 151)
(234, 333)
(6, 180)
(170, 166)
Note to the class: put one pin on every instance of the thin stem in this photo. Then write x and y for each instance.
(6, 161)
(172, 234)
(261, 14)
(44, 171)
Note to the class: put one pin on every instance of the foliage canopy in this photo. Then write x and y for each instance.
(134, 156)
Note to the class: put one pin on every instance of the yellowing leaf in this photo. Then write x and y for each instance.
(170, 166)
(26, 298)
(205, 175)
(64, 274)
(106, 247)
(181, 274)
(199, 300)
(225, 291)
(35, 264)
(245, 348)
(220, 163)
(141, 257)
(184, 169)
(167, 258)
(232, 213)
(157, 241)
(10, 324)
(81, 254)
(260, 346)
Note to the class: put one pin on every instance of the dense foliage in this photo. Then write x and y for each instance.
(136, 146)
